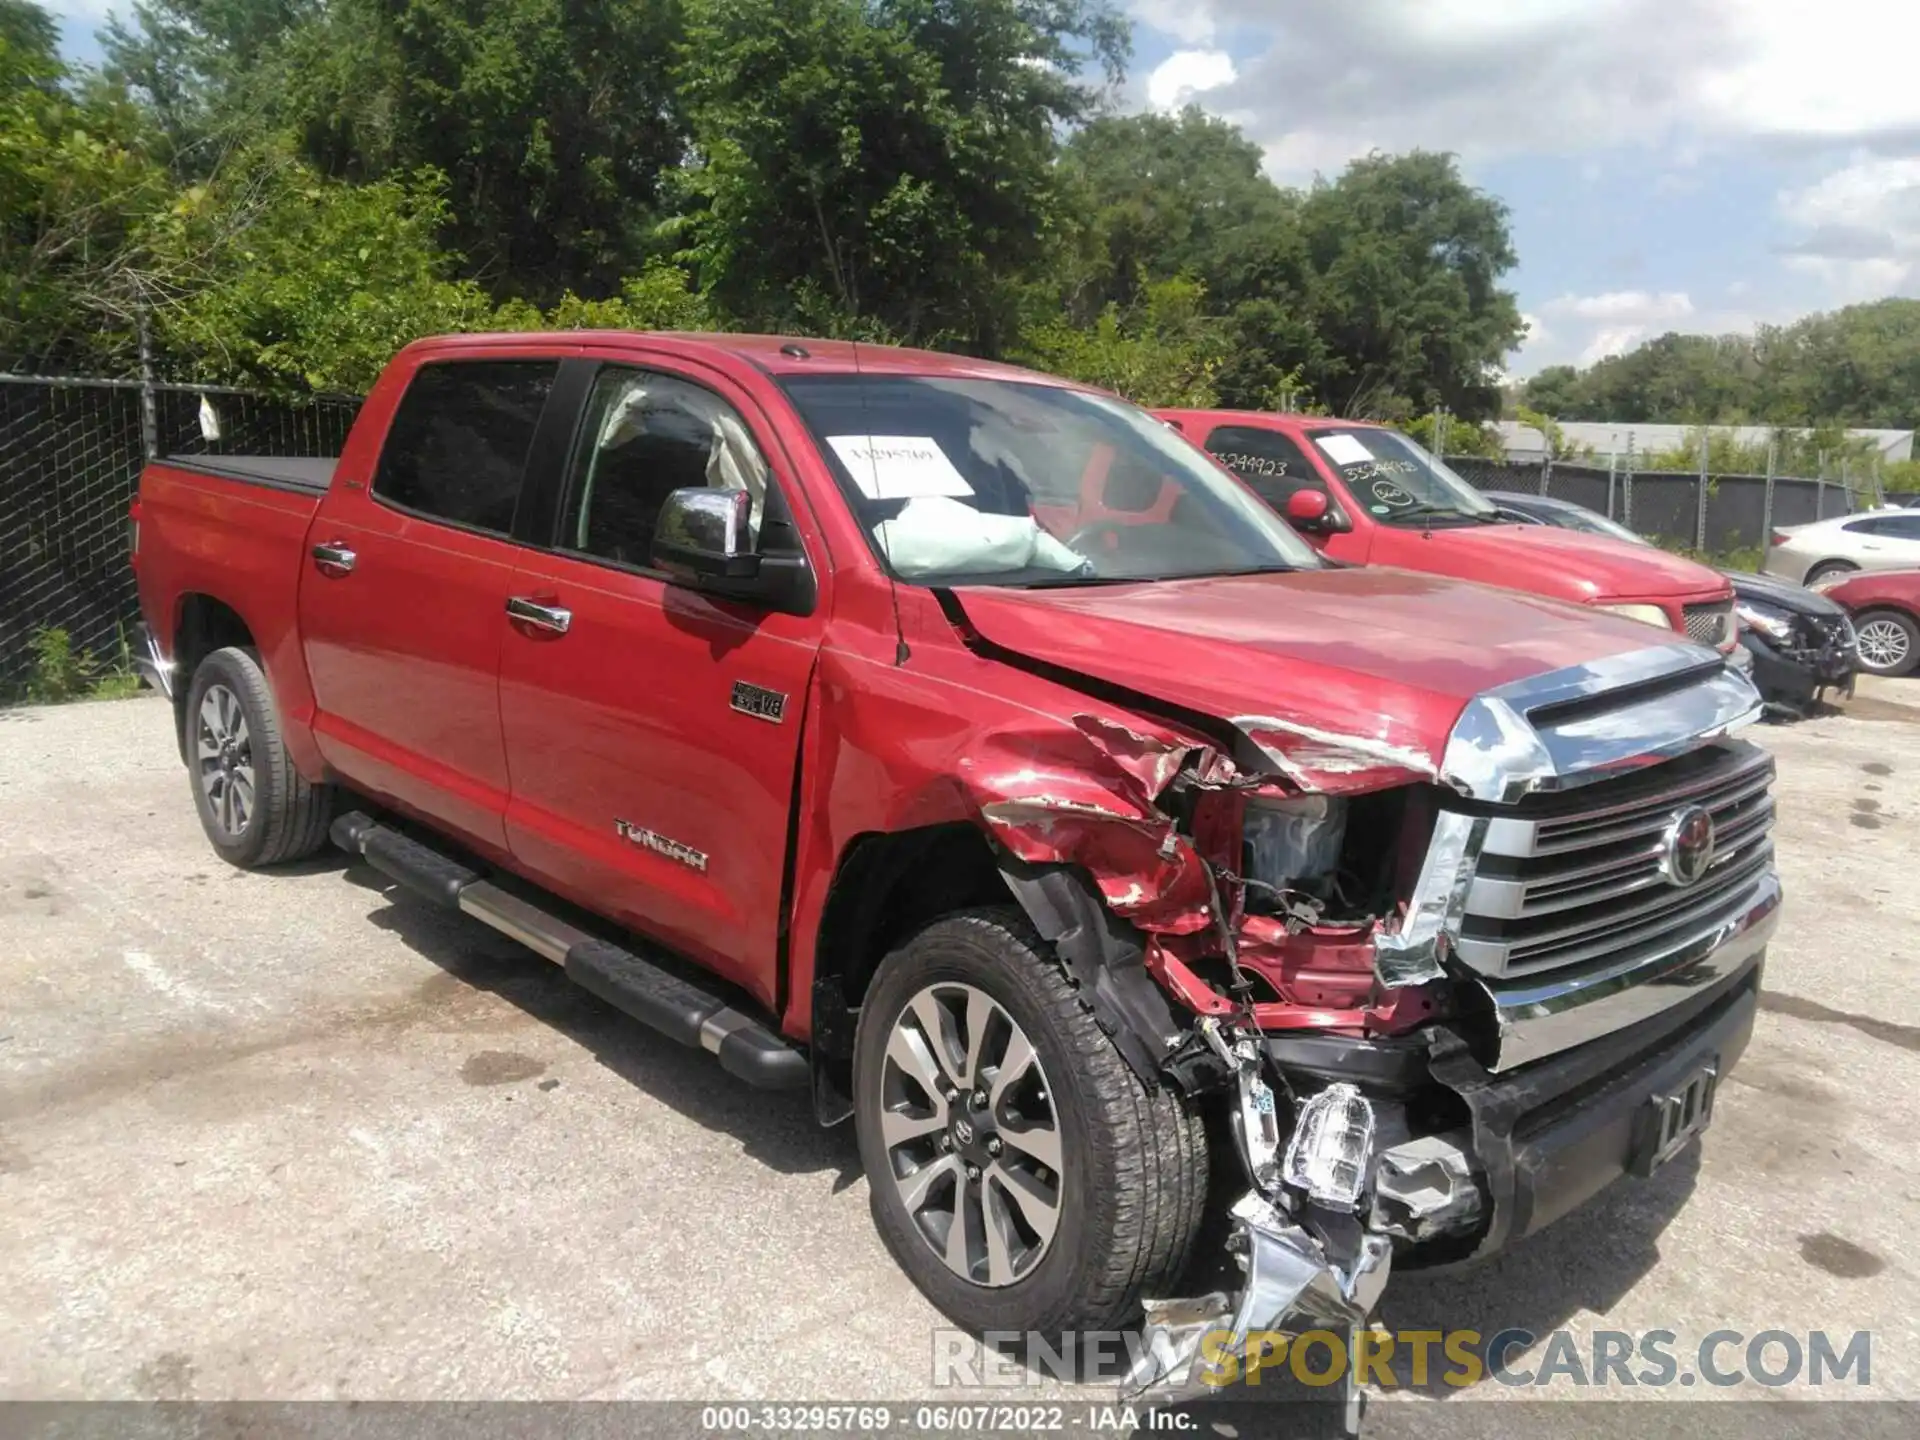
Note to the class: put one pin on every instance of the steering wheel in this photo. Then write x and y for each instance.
(1107, 530)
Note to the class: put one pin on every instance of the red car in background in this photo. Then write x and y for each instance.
(1885, 605)
(1368, 495)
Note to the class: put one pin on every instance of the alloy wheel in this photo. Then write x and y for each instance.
(1884, 644)
(972, 1135)
(223, 751)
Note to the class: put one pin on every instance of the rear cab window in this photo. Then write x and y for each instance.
(1272, 463)
(457, 449)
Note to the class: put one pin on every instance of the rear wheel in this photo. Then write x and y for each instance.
(255, 807)
(1828, 568)
(1020, 1172)
(1889, 642)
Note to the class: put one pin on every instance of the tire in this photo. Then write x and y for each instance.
(1892, 637)
(1829, 567)
(255, 808)
(1131, 1184)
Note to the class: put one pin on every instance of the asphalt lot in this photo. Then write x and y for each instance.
(289, 1137)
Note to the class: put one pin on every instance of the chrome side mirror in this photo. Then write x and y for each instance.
(706, 534)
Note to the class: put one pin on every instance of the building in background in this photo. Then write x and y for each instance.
(1525, 445)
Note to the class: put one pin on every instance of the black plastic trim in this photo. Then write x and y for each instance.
(1551, 1135)
(271, 472)
(1106, 958)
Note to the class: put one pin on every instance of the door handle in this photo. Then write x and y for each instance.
(333, 558)
(552, 618)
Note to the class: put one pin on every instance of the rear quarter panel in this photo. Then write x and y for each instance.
(241, 544)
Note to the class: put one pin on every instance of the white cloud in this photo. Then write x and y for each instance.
(1584, 328)
(1330, 79)
(1188, 21)
(1186, 74)
(1624, 307)
(86, 13)
(1859, 226)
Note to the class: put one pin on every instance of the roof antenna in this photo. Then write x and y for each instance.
(900, 651)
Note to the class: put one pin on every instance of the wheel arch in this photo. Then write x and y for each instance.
(888, 885)
(202, 624)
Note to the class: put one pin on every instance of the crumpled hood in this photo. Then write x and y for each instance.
(1355, 677)
(1782, 594)
(1546, 560)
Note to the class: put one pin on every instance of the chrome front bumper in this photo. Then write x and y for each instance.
(1542, 1015)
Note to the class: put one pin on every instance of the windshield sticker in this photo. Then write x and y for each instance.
(1344, 449)
(899, 467)
(1251, 464)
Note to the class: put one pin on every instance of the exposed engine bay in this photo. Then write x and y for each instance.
(1383, 1051)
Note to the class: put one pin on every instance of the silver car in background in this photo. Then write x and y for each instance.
(1880, 540)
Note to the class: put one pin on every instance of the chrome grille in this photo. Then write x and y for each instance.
(1709, 624)
(1579, 878)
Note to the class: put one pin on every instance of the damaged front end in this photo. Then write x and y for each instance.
(1444, 997)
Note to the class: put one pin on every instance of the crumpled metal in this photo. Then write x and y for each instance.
(1299, 1276)
(1090, 797)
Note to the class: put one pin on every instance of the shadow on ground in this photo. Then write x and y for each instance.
(776, 1128)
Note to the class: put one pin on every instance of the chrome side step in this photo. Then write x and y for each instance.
(678, 1008)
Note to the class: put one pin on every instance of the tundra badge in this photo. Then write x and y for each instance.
(760, 703)
(660, 845)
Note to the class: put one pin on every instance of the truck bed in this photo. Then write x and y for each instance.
(309, 476)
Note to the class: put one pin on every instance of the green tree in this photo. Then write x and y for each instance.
(270, 272)
(76, 178)
(1378, 290)
(1160, 350)
(1406, 260)
(895, 157)
(553, 120)
(207, 71)
(1164, 195)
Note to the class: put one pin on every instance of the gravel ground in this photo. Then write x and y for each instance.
(290, 1136)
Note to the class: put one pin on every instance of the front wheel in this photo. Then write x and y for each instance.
(1021, 1174)
(255, 807)
(1889, 642)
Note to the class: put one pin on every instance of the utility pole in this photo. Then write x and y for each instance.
(1766, 502)
(1700, 496)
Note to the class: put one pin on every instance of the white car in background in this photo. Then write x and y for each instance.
(1879, 540)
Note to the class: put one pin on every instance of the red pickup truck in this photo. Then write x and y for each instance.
(1369, 495)
(962, 747)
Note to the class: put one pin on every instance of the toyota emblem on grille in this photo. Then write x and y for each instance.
(1686, 850)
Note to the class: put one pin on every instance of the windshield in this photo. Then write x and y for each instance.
(996, 482)
(1398, 482)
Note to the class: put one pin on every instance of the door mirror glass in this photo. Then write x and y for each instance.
(705, 534)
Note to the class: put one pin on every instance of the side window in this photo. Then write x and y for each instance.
(644, 436)
(1267, 460)
(458, 445)
(1873, 526)
(1902, 527)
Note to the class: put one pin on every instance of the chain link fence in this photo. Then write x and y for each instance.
(70, 456)
(1713, 514)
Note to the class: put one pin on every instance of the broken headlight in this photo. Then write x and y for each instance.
(1776, 625)
(1332, 1144)
(1294, 843)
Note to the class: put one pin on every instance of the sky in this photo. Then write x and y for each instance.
(1699, 165)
